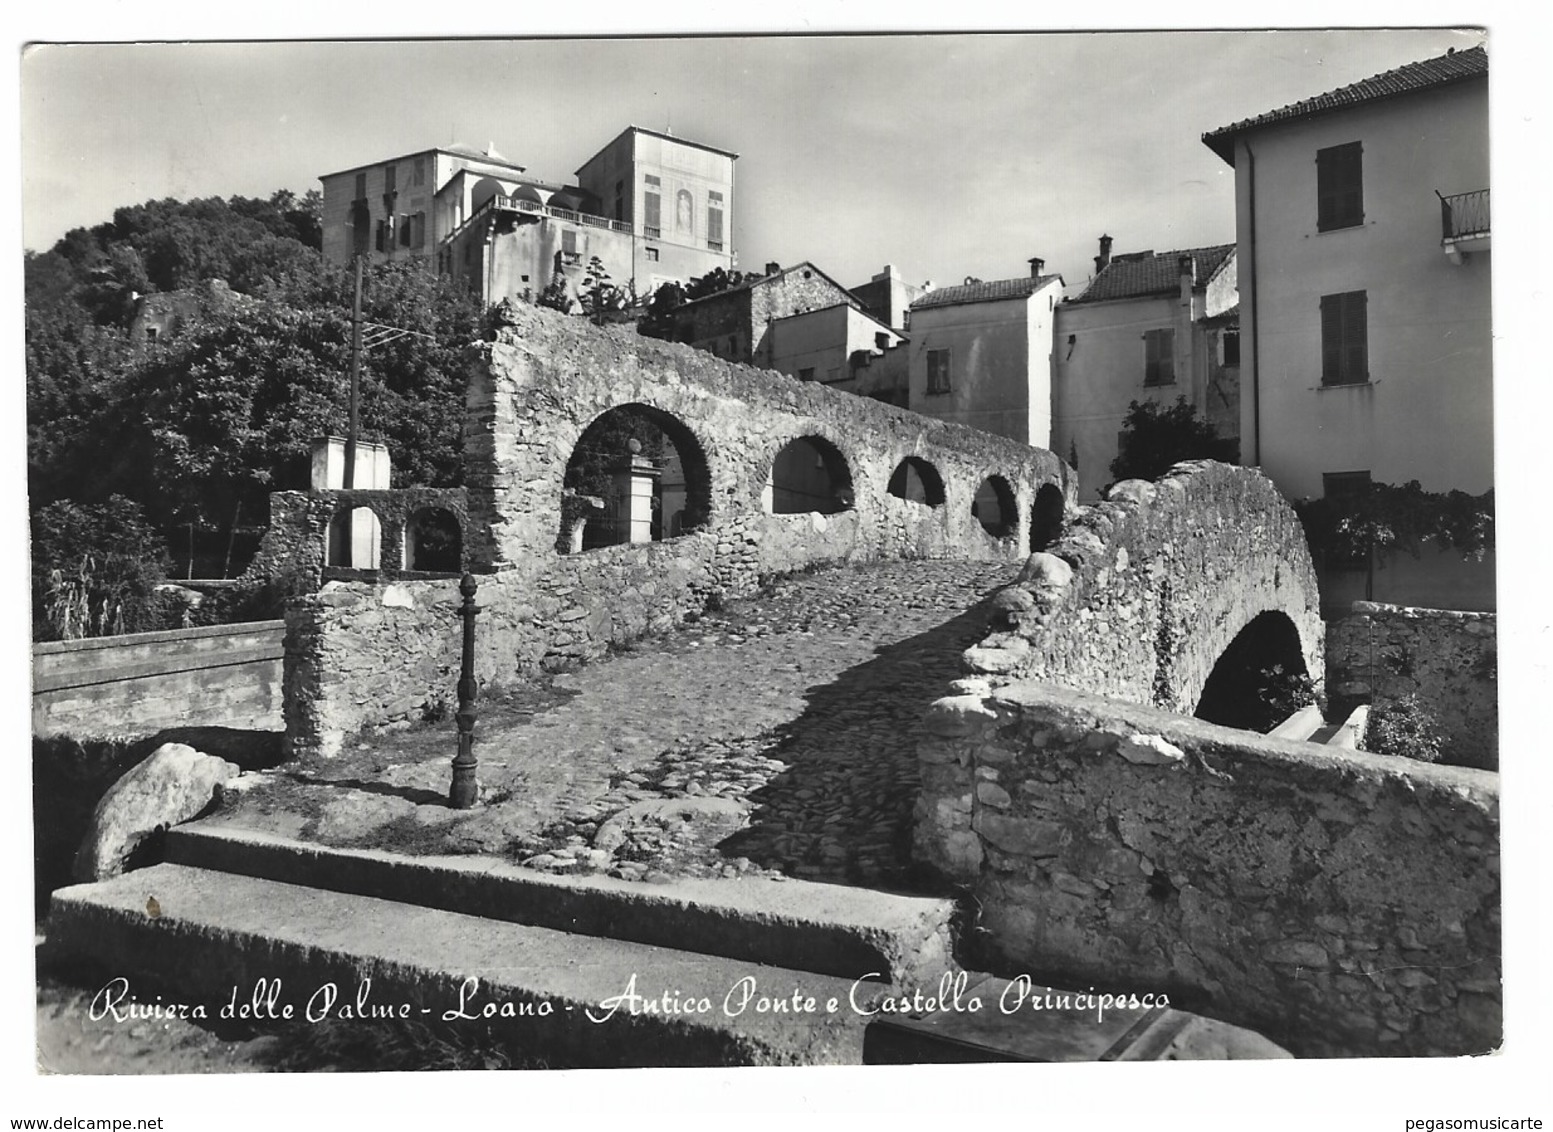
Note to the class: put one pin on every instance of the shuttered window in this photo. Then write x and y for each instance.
(1345, 339)
(1159, 357)
(1339, 187)
(714, 222)
(652, 208)
(938, 371)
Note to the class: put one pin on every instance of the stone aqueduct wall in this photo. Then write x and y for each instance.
(1343, 904)
(1144, 592)
(1450, 660)
(298, 535)
(362, 653)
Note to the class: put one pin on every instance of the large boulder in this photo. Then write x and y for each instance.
(173, 785)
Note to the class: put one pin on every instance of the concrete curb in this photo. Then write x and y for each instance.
(821, 928)
(221, 940)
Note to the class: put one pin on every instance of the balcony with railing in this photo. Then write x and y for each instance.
(501, 203)
(1464, 223)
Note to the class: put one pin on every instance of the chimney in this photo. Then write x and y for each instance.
(773, 267)
(1036, 264)
(1105, 254)
(1186, 267)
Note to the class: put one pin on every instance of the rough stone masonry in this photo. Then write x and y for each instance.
(1340, 903)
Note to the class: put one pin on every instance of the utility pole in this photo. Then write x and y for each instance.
(351, 428)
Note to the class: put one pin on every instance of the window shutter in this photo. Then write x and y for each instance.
(1331, 339)
(1356, 337)
(1167, 356)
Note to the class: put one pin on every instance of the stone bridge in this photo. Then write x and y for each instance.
(773, 475)
(1144, 594)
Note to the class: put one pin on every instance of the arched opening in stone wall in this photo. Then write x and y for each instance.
(637, 474)
(917, 481)
(1256, 683)
(995, 507)
(809, 474)
(1046, 515)
(355, 539)
(433, 541)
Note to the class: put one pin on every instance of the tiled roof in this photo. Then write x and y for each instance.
(751, 284)
(1152, 273)
(1452, 67)
(984, 292)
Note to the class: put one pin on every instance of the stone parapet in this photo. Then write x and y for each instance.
(1448, 659)
(1341, 903)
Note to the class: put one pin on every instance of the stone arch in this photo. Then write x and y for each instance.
(1046, 516)
(355, 539)
(433, 541)
(917, 481)
(612, 494)
(1143, 594)
(808, 474)
(483, 190)
(995, 507)
(1262, 656)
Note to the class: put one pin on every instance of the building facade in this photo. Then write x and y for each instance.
(981, 355)
(1151, 326)
(1362, 222)
(650, 207)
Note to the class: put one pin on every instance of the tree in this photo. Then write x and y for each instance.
(1154, 439)
(658, 319)
(555, 296)
(95, 568)
(600, 296)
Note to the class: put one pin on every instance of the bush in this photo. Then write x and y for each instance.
(1403, 728)
(1154, 439)
(95, 568)
(1285, 693)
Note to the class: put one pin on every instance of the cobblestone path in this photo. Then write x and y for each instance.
(777, 735)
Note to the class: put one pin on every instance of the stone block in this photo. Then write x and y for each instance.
(175, 783)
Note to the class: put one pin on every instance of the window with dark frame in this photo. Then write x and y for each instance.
(1159, 357)
(1232, 347)
(1345, 339)
(1340, 187)
(938, 371)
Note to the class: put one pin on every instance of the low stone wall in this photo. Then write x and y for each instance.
(1143, 593)
(140, 683)
(361, 654)
(1450, 660)
(1341, 903)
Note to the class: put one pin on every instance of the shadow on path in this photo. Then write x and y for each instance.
(842, 810)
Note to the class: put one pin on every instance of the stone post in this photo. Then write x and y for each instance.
(633, 481)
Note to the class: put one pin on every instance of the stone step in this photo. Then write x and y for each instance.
(826, 929)
(1352, 729)
(215, 940)
(1299, 726)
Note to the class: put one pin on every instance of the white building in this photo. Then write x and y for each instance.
(1362, 220)
(980, 355)
(1151, 326)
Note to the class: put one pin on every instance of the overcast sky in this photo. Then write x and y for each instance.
(947, 155)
